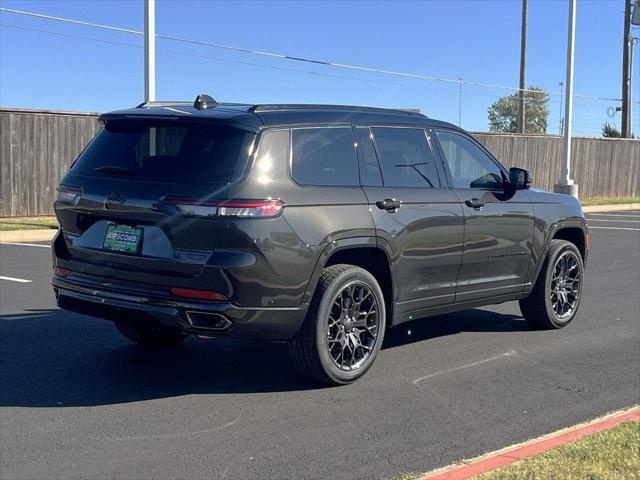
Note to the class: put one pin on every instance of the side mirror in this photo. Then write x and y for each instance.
(519, 178)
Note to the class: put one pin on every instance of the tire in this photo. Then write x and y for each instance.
(150, 335)
(547, 307)
(326, 348)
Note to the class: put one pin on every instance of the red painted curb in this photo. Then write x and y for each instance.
(508, 456)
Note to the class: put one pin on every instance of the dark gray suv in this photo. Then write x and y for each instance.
(317, 225)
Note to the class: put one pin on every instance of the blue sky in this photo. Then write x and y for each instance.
(476, 40)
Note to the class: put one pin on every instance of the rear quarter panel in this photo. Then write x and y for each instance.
(313, 219)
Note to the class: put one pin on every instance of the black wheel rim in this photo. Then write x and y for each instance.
(352, 330)
(565, 285)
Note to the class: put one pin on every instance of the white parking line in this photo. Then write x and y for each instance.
(612, 215)
(13, 279)
(26, 244)
(617, 221)
(468, 365)
(614, 228)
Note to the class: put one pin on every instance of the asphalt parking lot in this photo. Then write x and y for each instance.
(77, 400)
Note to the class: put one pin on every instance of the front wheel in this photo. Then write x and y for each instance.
(344, 328)
(555, 297)
(150, 335)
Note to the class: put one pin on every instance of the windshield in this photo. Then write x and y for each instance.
(167, 152)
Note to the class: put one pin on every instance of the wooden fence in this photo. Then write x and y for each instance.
(602, 167)
(37, 147)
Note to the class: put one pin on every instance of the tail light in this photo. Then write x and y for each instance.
(69, 194)
(193, 207)
(243, 208)
(227, 208)
(198, 294)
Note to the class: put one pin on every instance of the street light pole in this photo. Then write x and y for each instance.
(520, 121)
(149, 50)
(565, 183)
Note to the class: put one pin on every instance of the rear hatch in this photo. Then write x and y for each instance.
(141, 202)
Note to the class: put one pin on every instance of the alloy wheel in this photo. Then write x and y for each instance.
(353, 324)
(565, 285)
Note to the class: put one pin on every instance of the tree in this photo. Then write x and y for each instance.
(504, 112)
(610, 131)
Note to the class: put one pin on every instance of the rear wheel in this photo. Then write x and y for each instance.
(150, 335)
(555, 297)
(344, 328)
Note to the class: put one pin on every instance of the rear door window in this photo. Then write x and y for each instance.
(406, 157)
(185, 152)
(324, 156)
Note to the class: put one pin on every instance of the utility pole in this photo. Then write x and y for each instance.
(565, 183)
(149, 50)
(520, 121)
(627, 51)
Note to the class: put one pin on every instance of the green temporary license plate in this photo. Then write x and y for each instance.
(122, 238)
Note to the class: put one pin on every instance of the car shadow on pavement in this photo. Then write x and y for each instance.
(52, 358)
(474, 320)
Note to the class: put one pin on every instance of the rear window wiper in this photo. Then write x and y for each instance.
(115, 169)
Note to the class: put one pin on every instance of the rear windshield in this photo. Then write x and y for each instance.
(166, 152)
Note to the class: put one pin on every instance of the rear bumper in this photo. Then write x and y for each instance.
(124, 302)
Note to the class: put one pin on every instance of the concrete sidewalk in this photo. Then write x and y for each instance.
(611, 208)
(35, 235)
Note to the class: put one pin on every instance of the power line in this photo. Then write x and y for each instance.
(288, 57)
(240, 62)
(261, 65)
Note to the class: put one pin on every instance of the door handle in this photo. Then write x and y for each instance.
(389, 204)
(475, 203)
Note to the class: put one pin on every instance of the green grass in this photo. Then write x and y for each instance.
(610, 455)
(587, 202)
(27, 223)
(408, 476)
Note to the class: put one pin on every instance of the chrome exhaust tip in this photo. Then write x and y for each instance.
(213, 322)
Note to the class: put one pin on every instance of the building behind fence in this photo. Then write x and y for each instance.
(37, 147)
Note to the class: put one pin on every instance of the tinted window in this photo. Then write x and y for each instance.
(405, 157)
(323, 156)
(273, 153)
(369, 168)
(470, 166)
(181, 153)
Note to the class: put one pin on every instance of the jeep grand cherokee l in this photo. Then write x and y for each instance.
(317, 225)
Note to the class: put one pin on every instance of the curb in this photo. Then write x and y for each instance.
(515, 453)
(611, 208)
(38, 235)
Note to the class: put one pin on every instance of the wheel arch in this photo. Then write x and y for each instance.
(363, 252)
(574, 231)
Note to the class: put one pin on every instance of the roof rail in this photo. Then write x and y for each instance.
(199, 101)
(166, 103)
(302, 106)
